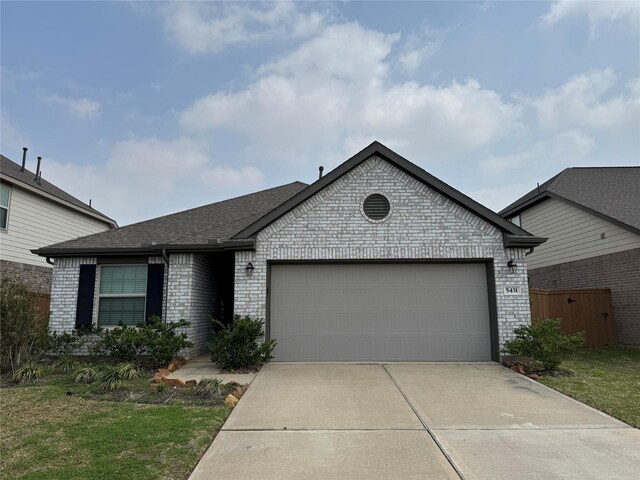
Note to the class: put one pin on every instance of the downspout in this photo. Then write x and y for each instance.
(165, 285)
(49, 261)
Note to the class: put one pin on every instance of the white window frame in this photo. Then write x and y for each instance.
(117, 295)
(7, 208)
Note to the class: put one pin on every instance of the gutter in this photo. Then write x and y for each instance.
(148, 249)
(522, 241)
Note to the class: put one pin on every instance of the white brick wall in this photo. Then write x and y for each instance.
(423, 225)
(191, 295)
(64, 292)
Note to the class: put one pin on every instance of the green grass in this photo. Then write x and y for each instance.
(606, 378)
(46, 434)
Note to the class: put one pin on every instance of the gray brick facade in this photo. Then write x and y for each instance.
(423, 225)
(188, 293)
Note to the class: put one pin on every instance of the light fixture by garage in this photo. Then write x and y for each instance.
(249, 269)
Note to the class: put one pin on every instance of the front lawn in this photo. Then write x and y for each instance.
(606, 378)
(56, 430)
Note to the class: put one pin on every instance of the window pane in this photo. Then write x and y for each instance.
(129, 311)
(3, 217)
(123, 279)
(4, 196)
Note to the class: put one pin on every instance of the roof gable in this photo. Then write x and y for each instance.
(513, 235)
(610, 193)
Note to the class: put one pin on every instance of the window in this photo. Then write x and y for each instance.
(4, 205)
(122, 296)
(515, 220)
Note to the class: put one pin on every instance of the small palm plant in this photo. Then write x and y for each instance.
(209, 387)
(28, 372)
(114, 376)
(64, 364)
(86, 374)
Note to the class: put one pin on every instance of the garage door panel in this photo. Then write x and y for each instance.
(379, 312)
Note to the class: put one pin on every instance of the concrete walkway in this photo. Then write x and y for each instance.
(414, 421)
(201, 367)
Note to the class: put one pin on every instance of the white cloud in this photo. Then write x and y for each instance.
(419, 47)
(335, 88)
(210, 27)
(150, 177)
(598, 12)
(83, 108)
(587, 101)
(11, 140)
(564, 149)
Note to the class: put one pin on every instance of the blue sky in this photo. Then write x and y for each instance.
(151, 108)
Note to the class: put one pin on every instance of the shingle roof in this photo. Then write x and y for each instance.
(12, 171)
(611, 192)
(198, 227)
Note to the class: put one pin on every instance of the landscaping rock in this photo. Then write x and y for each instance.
(157, 377)
(519, 369)
(534, 376)
(174, 382)
(231, 400)
(190, 383)
(164, 372)
(238, 392)
(172, 367)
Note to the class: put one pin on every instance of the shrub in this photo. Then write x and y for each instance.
(28, 372)
(67, 343)
(236, 346)
(21, 330)
(86, 375)
(155, 342)
(161, 341)
(545, 342)
(121, 342)
(209, 387)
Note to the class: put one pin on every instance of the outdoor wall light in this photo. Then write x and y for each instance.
(513, 266)
(249, 268)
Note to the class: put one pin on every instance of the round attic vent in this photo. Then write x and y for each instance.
(376, 206)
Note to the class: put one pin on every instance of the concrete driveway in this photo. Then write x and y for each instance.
(414, 420)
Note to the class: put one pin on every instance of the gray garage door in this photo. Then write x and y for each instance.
(380, 312)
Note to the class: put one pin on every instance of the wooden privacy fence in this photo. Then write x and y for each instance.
(42, 302)
(587, 310)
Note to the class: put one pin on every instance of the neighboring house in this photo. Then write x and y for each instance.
(377, 260)
(591, 216)
(35, 213)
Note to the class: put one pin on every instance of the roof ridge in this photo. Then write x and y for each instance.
(43, 184)
(192, 209)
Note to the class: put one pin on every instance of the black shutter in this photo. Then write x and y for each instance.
(86, 287)
(155, 284)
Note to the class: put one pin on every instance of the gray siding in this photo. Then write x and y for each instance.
(35, 222)
(573, 234)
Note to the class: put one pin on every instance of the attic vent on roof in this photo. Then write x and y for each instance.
(376, 206)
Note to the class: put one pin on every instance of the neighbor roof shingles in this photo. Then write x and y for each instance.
(198, 226)
(610, 191)
(14, 172)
